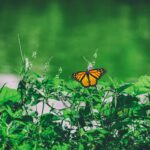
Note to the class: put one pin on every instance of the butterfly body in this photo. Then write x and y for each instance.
(90, 77)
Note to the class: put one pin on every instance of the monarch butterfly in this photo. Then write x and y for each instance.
(88, 78)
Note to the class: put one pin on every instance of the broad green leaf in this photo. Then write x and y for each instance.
(8, 94)
(81, 147)
(123, 87)
(25, 146)
(141, 86)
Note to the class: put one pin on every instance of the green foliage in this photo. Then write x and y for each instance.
(7, 94)
(141, 86)
(112, 116)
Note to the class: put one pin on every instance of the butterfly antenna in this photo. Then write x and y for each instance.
(20, 48)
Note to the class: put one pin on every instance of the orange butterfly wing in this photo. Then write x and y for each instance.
(92, 80)
(79, 75)
(85, 81)
(82, 77)
(97, 73)
(89, 78)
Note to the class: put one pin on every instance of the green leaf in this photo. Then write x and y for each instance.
(141, 86)
(97, 131)
(27, 119)
(81, 147)
(8, 94)
(123, 87)
(26, 146)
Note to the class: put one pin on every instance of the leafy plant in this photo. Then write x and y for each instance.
(110, 116)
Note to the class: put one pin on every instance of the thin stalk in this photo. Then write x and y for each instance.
(43, 106)
(20, 48)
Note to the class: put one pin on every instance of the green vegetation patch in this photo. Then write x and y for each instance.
(112, 115)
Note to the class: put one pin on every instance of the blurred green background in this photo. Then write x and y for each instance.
(69, 30)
